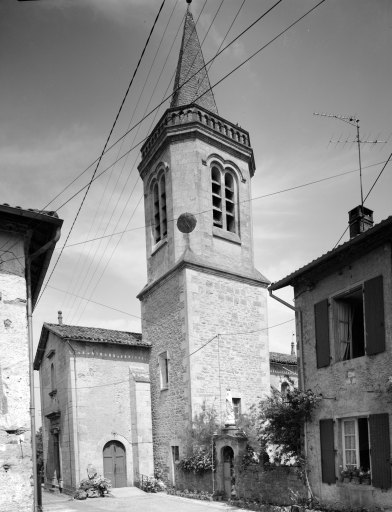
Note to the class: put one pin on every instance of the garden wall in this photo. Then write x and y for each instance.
(192, 481)
(271, 485)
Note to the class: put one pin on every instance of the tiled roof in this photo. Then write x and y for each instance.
(33, 210)
(358, 245)
(277, 357)
(97, 335)
(191, 72)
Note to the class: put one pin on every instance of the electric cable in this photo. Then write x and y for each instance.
(134, 163)
(78, 283)
(106, 144)
(168, 97)
(212, 87)
(367, 195)
(185, 357)
(281, 191)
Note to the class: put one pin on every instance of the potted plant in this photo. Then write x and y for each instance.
(366, 477)
(346, 475)
(218, 495)
(355, 476)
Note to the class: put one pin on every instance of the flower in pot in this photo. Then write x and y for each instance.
(366, 477)
(355, 476)
(345, 475)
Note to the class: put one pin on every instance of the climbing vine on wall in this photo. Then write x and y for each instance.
(282, 418)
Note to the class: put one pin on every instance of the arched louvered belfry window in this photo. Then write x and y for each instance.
(224, 207)
(159, 208)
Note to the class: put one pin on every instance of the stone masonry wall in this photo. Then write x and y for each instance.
(352, 388)
(193, 482)
(188, 189)
(15, 428)
(163, 314)
(237, 359)
(104, 402)
(57, 397)
(275, 486)
(101, 404)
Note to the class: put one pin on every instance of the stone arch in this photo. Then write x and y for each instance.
(114, 436)
(222, 163)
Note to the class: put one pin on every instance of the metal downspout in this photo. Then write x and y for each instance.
(31, 379)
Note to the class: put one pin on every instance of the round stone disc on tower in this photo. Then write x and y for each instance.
(186, 222)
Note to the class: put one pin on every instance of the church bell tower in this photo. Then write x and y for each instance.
(204, 307)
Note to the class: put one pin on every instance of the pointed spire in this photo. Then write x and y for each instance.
(190, 61)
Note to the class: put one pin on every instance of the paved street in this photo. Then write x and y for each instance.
(132, 499)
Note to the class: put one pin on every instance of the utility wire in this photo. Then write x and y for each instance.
(106, 144)
(81, 271)
(162, 102)
(199, 213)
(187, 357)
(212, 87)
(303, 185)
(367, 195)
(226, 76)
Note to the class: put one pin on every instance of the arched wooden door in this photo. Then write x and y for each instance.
(114, 463)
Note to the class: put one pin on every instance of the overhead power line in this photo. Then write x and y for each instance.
(160, 104)
(217, 83)
(106, 144)
(281, 191)
(367, 195)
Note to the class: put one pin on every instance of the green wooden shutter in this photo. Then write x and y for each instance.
(374, 315)
(380, 450)
(327, 451)
(322, 333)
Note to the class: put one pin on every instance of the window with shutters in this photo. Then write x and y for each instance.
(224, 199)
(159, 213)
(366, 447)
(355, 444)
(359, 321)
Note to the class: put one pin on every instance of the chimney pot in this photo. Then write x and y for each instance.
(60, 317)
(360, 219)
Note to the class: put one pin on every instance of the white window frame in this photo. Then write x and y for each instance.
(220, 192)
(345, 464)
(343, 326)
(356, 433)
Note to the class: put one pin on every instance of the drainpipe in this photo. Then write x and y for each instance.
(29, 308)
(31, 378)
(299, 326)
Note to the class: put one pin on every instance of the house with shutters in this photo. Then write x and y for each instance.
(283, 370)
(343, 303)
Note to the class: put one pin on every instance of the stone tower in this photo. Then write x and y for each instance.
(204, 305)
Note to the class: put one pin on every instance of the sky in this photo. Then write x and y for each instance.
(65, 67)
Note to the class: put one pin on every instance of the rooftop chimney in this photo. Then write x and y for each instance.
(360, 219)
(60, 317)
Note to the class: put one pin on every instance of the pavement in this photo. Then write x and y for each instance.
(132, 499)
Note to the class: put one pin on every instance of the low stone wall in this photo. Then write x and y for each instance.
(192, 481)
(271, 485)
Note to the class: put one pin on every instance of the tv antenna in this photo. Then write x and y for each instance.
(353, 121)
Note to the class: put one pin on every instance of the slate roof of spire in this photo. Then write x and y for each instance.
(191, 62)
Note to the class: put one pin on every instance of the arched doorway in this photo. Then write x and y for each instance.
(114, 463)
(228, 470)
